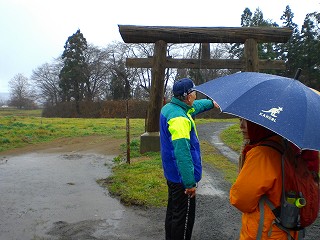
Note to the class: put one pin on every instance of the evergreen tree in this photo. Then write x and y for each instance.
(246, 18)
(310, 50)
(290, 51)
(74, 73)
(265, 50)
(237, 49)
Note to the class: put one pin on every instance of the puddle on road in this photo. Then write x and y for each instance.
(225, 150)
(109, 227)
(36, 193)
(72, 156)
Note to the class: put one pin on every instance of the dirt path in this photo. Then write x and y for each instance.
(49, 191)
(94, 144)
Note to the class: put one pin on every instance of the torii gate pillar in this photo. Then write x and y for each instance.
(150, 140)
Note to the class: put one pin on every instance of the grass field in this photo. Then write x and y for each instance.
(139, 183)
(20, 128)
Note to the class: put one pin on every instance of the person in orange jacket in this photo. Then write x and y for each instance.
(260, 174)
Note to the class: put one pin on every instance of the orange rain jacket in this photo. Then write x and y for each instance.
(260, 175)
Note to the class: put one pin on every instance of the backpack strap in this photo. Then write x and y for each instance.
(264, 199)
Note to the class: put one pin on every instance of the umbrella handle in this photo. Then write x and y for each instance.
(297, 75)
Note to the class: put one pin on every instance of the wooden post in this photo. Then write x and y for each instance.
(205, 55)
(251, 55)
(150, 140)
(128, 133)
(157, 84)
(205, 51)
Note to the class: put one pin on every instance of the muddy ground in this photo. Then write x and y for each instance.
(49, 191)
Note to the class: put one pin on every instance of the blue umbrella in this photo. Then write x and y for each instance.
(283, 105)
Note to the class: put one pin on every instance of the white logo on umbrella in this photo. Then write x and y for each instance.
(272, 112)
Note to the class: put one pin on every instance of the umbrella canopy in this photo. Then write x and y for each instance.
(283, 105)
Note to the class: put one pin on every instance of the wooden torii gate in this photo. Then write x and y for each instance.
(160, 36)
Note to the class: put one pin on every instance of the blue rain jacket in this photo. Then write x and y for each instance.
(180, 148)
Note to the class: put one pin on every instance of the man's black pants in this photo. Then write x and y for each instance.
(180, 213)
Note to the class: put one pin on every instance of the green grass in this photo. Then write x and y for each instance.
(19, 112)
(22, 130)
(139, 183)
(232, 137)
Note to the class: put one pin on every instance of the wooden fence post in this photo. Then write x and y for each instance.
(128, 133)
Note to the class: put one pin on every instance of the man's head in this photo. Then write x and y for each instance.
(184, 90)
(183, 87)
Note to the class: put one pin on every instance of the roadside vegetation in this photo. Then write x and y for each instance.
(232, 137)
(139, 183)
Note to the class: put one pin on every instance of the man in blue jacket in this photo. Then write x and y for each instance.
(181, 157)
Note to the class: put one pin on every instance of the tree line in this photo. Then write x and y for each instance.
(88, 73)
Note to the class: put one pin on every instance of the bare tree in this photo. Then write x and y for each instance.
(98, 73)
(20, 92)
(143, 76)
(46, 81)
(121, 77)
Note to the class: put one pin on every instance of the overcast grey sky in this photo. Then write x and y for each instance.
(33, 32)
